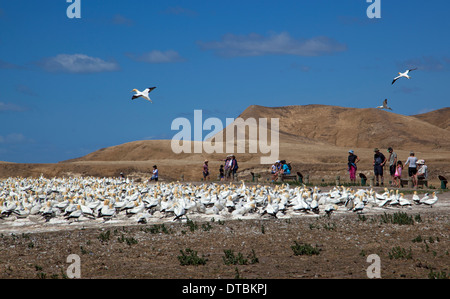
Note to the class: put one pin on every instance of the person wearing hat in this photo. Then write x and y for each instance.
(274, 170)
(412, 165)
(379, 160)
(352, 160)
(205, 171)
(392, 163)
(422, 172)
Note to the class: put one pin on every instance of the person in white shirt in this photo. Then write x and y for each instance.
(422, 172)
(412, 161)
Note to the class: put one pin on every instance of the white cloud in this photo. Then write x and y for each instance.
(427, 63)
(11, 107)
(178, 10)
(157, 56)
(121, 20)
(13, 138)
(77, 63)
(253, 44)
(9, 66)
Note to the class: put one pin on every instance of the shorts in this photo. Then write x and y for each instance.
(412, 171)
(378, 170)
(205, 174)
(392, 170)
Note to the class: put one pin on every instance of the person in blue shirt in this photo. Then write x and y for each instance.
(285, 168)
(154, 174)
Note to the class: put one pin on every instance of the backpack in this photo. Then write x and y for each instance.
(236, 165)
(289, 166)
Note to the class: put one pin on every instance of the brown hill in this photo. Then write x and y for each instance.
(353, 127)
(315, 138)
(440, 118)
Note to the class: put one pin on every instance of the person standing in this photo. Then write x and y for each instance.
(379, 160)
(398, 174)
(221, 173)
(228, 167)
(392, 163)
(352, 160)
(412, 162)
(234, 166)
(205, 171)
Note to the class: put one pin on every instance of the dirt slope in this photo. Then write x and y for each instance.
(315, 138)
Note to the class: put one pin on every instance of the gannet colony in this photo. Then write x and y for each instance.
(44, 201)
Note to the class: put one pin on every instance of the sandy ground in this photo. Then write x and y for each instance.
(124, 249)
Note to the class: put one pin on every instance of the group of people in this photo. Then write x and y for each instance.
(417, 169)
(280, 167)
(227, 170)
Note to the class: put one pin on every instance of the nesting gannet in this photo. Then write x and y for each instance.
(143, 94)
(384, 106)
(403, 201)
(403, 75)
(424, 198)
(416, 198)
(431, 201)
(76, 214)
(330, 208)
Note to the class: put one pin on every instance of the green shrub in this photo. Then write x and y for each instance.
(400, 218)
(104, 236)
(400, 253)
(304, 249)
(190, 257)
(438, 275)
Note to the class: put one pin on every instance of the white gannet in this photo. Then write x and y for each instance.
(403, 75)
(384, 106)
(432, 200)
(75, 214)
(424, 198)
(416, 198)
(143, 94)
(329, 208)
(403, 201)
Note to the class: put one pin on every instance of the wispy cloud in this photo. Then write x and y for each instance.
(77, 63)
(427, 63)
(157, 56)
(361, 21)
(300, 67)
(9, 66)
(121, 20)
(26, 90)
(253, 44)
(407, 90)
(5, 107)
(13, 138)
(178, 10)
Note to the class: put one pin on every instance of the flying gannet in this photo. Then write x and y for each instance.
(404, 75)
(384, 106)
(143, 94)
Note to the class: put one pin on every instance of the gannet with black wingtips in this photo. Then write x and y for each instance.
(143, 94)
(403, 75)
(384, 106)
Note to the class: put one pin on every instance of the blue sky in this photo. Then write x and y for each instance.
(65, 83)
